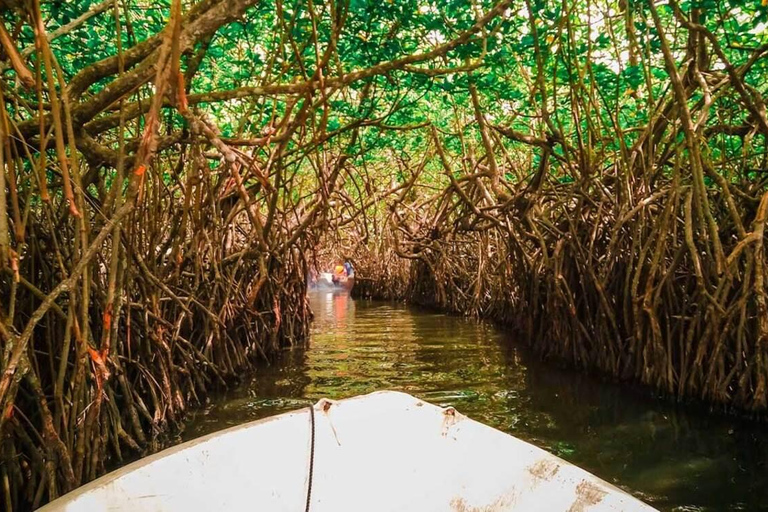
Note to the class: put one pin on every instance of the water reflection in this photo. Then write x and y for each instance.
(674, 458)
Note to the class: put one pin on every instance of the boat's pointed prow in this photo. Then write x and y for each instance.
(386, 451)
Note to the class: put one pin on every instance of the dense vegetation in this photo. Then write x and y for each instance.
(592, 172)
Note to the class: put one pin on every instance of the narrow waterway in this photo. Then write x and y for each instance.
(673, 457)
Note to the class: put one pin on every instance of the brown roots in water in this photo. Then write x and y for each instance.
(637, 253)
(193, 305)
(616, 292)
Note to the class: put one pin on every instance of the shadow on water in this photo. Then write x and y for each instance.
(673, 457)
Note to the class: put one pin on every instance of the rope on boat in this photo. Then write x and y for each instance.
(311, 456)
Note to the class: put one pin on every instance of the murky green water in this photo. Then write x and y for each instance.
(672, 457)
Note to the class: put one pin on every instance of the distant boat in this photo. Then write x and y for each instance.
(386, 451)
(325, 281)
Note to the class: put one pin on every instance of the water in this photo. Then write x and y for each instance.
(672, 457)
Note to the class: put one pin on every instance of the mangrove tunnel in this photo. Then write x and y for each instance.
(591, 175)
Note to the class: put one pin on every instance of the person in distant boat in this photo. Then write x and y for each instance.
(348, 269)
(338, 273)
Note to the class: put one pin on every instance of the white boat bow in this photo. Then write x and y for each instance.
(386, 451)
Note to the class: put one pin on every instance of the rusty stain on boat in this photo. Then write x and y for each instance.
(502, 503)
(544, 470)
(587, 495)
(450, 418)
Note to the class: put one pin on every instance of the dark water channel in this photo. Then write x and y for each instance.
(673, 457)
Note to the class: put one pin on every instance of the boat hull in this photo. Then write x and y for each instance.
(386, 451)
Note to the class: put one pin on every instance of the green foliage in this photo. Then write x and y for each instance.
(586, 48)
